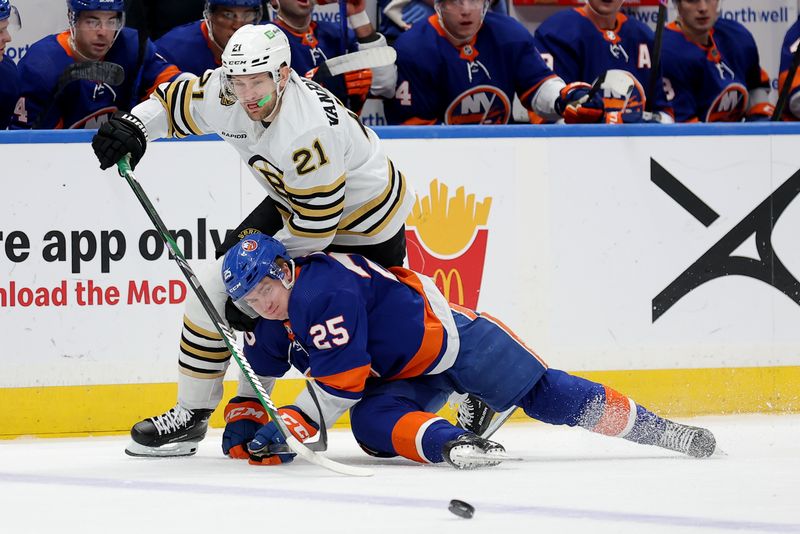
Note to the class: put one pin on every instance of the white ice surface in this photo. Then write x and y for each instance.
(569, 481)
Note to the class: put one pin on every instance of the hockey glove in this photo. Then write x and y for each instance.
(268, 447)
(760, 112)
(237, 319)
(243, 417)
(122, 134)
(579, 105)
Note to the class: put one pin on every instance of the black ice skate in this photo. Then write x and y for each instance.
(691, 440)
(173, 433)
(474, 415)
(469, 451)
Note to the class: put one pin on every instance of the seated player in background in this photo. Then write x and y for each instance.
(314, 42)
(386, 345)
(96, 33)
(197, 47)
(464, 66)
(581, 44)
(397, 16)
(9, 77)
(711, 67)
(791, 40)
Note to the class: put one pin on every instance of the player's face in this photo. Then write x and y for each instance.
(462, 18)
(225, 20)
(95, 32)
(252, 89)
(698, 16)
(606, 8)
(270, 299)
(296, 9)
(5, 37)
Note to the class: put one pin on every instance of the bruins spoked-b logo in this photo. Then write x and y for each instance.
(721, 259)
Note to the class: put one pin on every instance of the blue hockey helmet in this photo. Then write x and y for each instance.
(248, 262)
(10, 13)
(96, 5)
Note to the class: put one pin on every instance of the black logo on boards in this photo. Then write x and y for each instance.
(719, 260)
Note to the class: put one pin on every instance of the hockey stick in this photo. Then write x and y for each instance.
(363, 59)
(343, 25)
(655, 66)
(787, 86)
(227, 334)
(497, 422)
(99, 71)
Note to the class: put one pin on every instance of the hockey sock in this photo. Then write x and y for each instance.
(420, 436)
(562, 399)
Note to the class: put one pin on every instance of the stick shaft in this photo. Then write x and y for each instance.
(787, 86)
(655, 68)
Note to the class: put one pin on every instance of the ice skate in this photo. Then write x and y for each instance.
(694, 441)
(469, 451)
(173, 433)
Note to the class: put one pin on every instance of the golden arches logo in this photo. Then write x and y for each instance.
(444, 281)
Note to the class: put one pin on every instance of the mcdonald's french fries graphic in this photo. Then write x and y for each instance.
(447, 239)
(446, 225)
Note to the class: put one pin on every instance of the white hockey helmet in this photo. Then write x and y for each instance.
(253, 49)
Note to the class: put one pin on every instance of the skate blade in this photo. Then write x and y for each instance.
(476, 460)
(170, 450)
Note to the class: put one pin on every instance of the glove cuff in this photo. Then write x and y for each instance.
(298, 423)
(241, 408)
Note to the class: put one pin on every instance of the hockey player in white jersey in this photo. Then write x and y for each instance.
(303, 146)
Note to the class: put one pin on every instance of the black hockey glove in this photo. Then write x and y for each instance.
(237, 319)
(122, 134)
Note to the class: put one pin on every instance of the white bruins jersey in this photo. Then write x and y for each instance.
(327, 172)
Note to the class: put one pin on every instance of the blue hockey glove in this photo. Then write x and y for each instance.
(243, 417)
(578, 104)
(268, 447)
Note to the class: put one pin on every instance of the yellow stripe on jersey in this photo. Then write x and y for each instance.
(222, 355)
(390, 201)
(309, 232)
(315, 191)
(312, 212)
(176, 100)
(187, 112)
(206, 376)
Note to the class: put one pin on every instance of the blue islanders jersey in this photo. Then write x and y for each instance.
(790, 43)
(474, 83)
(578, 51)
(320, 43)
(84, 103)
(9, 90)
(189, 48)
(371, 322)
(712, 83)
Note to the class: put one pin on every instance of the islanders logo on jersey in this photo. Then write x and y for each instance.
(446, 238)
(482, 104)
(730, 105)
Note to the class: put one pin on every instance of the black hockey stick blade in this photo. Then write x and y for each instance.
(97, 71)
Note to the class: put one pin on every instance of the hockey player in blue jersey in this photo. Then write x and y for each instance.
(581, 44)
(197, 47)
(9, 77)
(464, 66)
(96, 33)
(790, 43)
(711, 66)
(386, 345)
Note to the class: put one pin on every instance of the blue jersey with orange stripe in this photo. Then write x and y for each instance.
(9, 90)
(715, 82)
(189, 48)
(84, 103)
(790, 43)
(321, 42)
(578, 51)
(475, 83)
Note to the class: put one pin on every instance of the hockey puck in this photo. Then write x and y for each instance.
(461, 509)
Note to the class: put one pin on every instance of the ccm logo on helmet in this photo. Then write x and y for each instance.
(249, 245)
